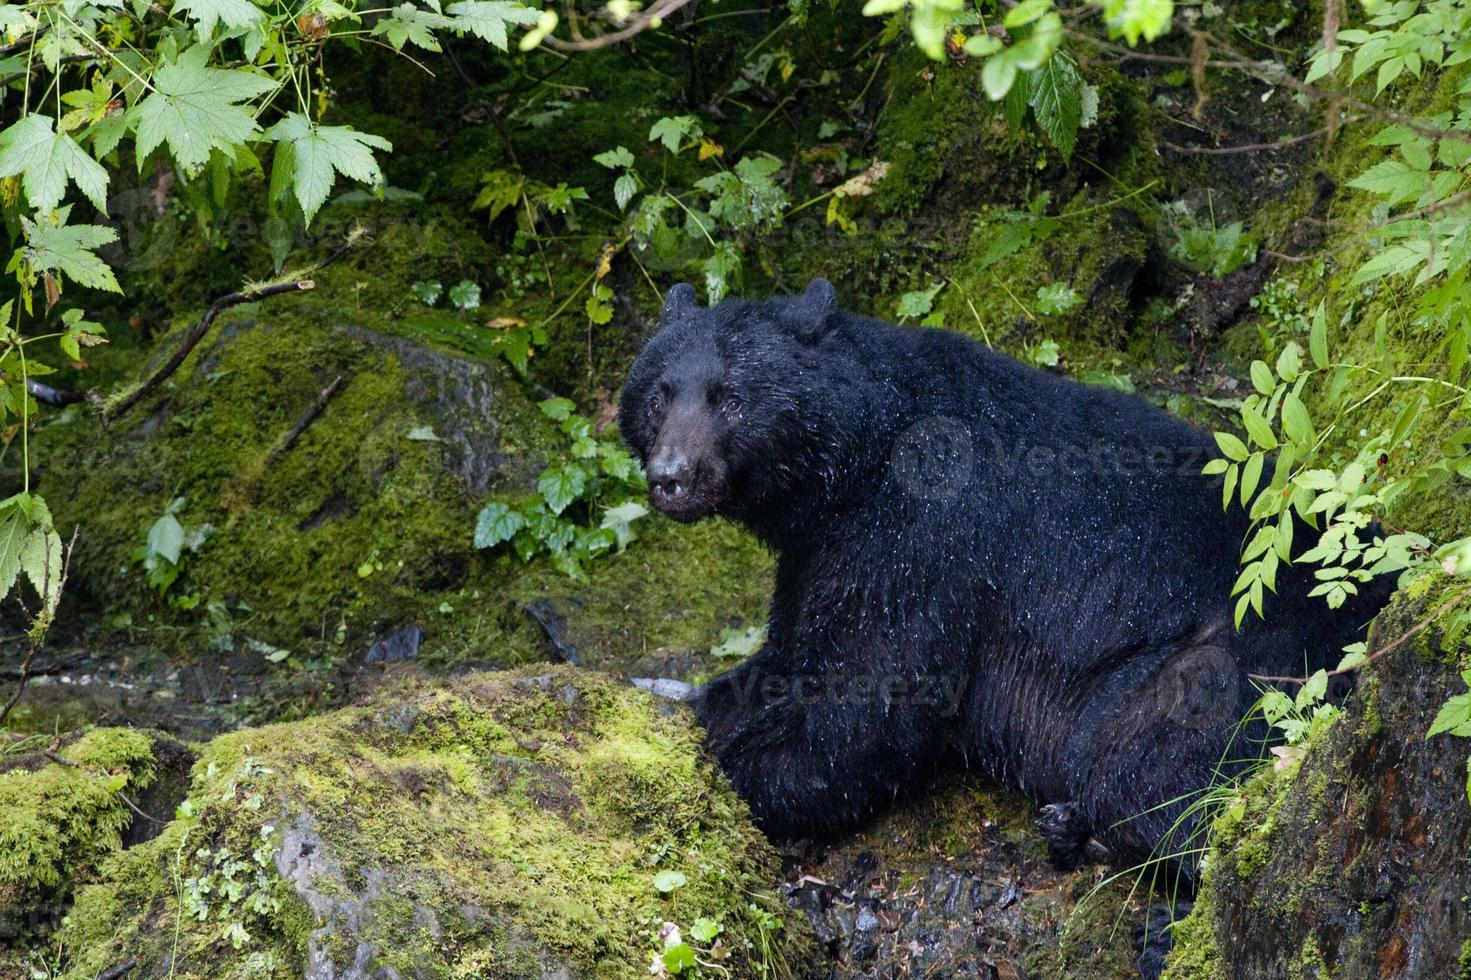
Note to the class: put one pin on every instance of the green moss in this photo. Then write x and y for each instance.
(57, 821)
(1195, 953)
(513, 821)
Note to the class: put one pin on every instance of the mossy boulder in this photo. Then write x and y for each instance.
(364, 523)
(525, 824)
(1353, 864)
(62, 811)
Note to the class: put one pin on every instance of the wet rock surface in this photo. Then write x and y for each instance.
(1353, 865)
(956, 884)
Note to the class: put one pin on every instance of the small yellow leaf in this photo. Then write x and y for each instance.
(709, 148)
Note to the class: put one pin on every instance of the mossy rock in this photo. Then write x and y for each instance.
(516, 824)
(63, 810)
(1353, 864)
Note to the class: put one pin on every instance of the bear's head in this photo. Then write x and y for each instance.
(716, 406)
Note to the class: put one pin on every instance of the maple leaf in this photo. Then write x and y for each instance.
(487, 19)
(410, 25)
(195, 109)
(311, 156)
(234, 14)
(68, 249)
(45, 160)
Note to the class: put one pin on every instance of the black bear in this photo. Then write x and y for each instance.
(977, 561)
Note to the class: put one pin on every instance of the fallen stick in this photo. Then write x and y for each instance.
(196, 334)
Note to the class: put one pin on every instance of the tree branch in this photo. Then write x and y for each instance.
(1377, 654)
(195, 335)
(636, 25)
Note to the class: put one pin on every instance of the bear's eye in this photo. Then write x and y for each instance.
(656, 403)
(731, 406)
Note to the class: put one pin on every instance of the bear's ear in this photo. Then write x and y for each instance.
(812, 313)
(680, 302)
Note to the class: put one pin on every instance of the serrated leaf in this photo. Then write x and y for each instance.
(560, 485)
(1392, 180)
(619, 156)
(70, 250)
(318, 153)
(1454, 714)
(672, 131)
(559, 409)
(496, 523)
(196, 109)
(623, 190)
(407, 24)
(13, 532)
(46, 160)
(488, 19)
(1055, 93)
(234, 14)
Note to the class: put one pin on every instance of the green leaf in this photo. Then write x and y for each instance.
(1056, 96)
(166, 538)
(1318, 338)
(70, 250)
(705, 929)
(559, 409)
(678, 958)
(319, 151)
(1232, 447)
(1261, 377)
(1258, 428)
(1056, 298)
(1025, 12)
(1134, 19)
(1454, 716)
(1296, 421)
(619, 156)
(408, 24)
(195, 109)
(1392, 180)
(668, 880)
(488, 19)
(673, 131)
(13, 533)
(919, 302)
(496, 523)
(234, 14)
(623, 190)
(560, 485)
(739, 644)
(1251, 475)
(998, 75)
(45, 160)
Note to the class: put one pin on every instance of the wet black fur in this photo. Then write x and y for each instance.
(1016, 550)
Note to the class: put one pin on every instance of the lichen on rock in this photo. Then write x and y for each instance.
(495, 825)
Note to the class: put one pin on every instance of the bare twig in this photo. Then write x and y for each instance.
(1393, 645)
(20, 687)
(307, 417)
(636, 25)
(196, 334)
(116, 972)
(1245, 148)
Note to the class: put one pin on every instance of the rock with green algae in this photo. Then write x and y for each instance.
(1353, 864)
(365, 523)
(522, 824)
(61, 814)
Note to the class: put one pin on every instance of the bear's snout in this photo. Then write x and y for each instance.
(685, 481)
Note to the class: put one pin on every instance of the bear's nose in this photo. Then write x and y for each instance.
(670, 475)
